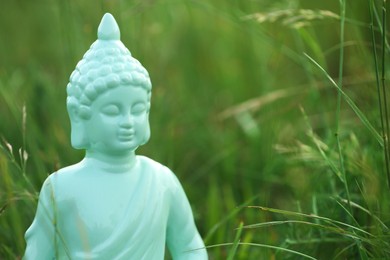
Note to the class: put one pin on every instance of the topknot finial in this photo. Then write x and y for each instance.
(108, 28)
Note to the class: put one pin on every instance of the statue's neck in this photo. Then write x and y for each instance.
(118, 163)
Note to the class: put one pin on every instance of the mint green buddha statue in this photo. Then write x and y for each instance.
(113, 204)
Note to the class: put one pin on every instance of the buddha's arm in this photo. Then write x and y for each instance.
(183, 239)
(40, 236)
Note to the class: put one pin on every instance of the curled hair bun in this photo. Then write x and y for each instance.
(107, 64)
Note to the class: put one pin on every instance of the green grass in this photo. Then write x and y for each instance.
(273, 114)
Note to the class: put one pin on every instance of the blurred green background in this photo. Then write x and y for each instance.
(239, 113)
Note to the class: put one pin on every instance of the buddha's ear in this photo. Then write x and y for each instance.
(73, 112)
(147, 135)
(78, 116)
(147, 132)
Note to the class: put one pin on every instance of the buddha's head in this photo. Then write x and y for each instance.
(109, 95)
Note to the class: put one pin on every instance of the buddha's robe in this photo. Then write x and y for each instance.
(85, 212)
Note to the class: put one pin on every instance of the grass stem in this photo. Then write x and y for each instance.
(383, 80)
(339, 95)
(381, 94)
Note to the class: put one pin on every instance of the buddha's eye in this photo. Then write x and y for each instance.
(110, 110)
(138, 108)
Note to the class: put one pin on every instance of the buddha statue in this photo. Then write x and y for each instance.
(113, 204)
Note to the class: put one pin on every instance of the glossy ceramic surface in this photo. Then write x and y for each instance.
(113, 204)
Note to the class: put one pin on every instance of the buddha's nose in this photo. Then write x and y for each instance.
(127, 121)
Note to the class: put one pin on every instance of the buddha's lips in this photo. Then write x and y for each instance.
(125, 137)
(125, 134)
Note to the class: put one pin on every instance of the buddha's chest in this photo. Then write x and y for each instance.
(108, 208)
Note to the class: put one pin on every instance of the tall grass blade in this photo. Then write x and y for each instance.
(357, 206)
(232, 214)
(380, 27)
(236, 242)
(338, 106)
(332, 229)
(381, 93)
(266, 246)
(350, 102)
(325, 219)
(317, 143)
(383, 80)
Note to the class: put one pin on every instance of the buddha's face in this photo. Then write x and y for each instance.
(119, 121)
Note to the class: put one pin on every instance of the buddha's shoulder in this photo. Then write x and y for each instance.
(154, 167)
(62, 177)
(70, 170)
(67, 172)
(146, 162)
